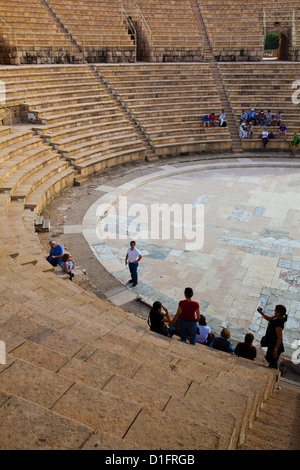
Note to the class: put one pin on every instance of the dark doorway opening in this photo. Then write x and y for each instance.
(284, 45)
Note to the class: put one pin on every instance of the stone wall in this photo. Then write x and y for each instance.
(110, 55)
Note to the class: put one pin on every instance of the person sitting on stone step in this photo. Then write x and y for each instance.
(282, 131)
(67, 264)
(222, 343)
(243, 130)
(278, 118)
(158, 319)
(222, 118)
(246, 349)
(55, 254)
(261, 118)
(252, 117)
(202, 331)
(212, 119)
(244, 116)
(250, 130)
(269, 117)
(205, 121)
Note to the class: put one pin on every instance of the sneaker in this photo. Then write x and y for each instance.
(131, 281)
(134, 284)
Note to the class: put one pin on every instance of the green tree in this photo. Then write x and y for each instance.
(272, 41)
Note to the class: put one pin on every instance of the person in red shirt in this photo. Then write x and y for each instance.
(212, 119)
(188, 314)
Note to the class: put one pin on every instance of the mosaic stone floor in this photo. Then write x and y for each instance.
(251, 250)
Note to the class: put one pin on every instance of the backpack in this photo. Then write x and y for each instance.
(210, 339)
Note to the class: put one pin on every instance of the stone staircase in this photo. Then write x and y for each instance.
(98, 28)
(167, 30)
(31, 173)
(225, 20)
(80, 373)
(76, 113)
(83, 374)
(209, 57)
(168, 105)
(277, 427)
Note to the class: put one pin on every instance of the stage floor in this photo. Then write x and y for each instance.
(251, 250)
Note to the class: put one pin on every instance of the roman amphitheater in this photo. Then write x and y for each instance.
(102, 101)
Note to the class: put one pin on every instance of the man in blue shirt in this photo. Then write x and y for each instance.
(56, 252)
(251, 117)
(282, 131)
(244, 116)
(222, 343)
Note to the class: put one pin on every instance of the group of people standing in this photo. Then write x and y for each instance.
(188, 323)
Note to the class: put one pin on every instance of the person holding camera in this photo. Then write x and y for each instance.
(158, 318)
(274, 334)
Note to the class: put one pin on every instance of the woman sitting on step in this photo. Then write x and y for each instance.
(157, 320)
(67, 264)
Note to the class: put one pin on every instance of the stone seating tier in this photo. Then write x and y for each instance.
(87, 359)
(38, 39)
(263, 86)
(72, 101)
(97, 28)
(156, 94)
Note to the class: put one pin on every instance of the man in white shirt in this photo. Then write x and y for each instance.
(133, 257)
(265, 136)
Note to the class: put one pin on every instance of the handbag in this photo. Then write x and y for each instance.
(264, 342)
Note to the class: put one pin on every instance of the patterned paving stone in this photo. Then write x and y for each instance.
(251, 250)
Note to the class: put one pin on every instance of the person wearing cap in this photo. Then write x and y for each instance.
(56, 252)
(251, 117)
(261, 118)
